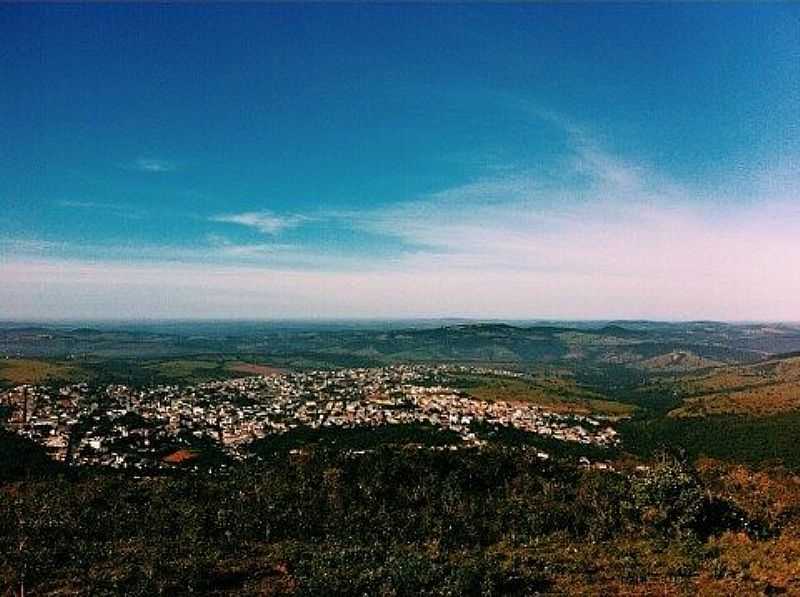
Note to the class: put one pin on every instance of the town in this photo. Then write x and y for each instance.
(154, 428)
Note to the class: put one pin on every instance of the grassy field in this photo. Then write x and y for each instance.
(253, 368)
(556, 393)
(678, 360)
(22, 371)
(759, 390)
(188, 369)
(201, 369)
(757, 401)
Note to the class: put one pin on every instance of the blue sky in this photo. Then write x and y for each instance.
(383, 161)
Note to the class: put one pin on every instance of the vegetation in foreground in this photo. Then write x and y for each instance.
(399, 520)
(497, 521)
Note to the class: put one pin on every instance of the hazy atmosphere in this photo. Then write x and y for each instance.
(545, 161)
(400, 300)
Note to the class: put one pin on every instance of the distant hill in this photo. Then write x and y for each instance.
(678, 360)
(620, 332)
(761, 389)
(86, 332)
(646, 345)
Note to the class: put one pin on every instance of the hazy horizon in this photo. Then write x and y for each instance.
(383, 320)
(542, 162)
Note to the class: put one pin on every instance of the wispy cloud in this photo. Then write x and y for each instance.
(602, 236)
(117, 209)
(153, 165)
(223, 247)
(10, 247)
(265, 222)
(626, 237)
(216, 250)
(526, 217)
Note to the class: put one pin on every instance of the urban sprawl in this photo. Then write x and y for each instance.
(157, 427)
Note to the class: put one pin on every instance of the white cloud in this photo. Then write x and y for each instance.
(153, 165)
(265, 222)
(604, 238)
(217, 251)
(121, 210)
(10, 247)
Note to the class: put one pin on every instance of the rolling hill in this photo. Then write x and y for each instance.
(761, 389)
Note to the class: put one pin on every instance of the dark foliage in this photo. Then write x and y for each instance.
(390, 522)
(22, 459)
(737, 439)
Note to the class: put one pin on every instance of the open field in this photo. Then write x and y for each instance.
(253, 368)
(192, 370)
(185, 368)
(22, 371)
(759, 390)
(188, 370)
(757, 401)
(678, 360)
(558, 394)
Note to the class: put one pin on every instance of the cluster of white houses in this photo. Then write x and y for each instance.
(127, 427)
